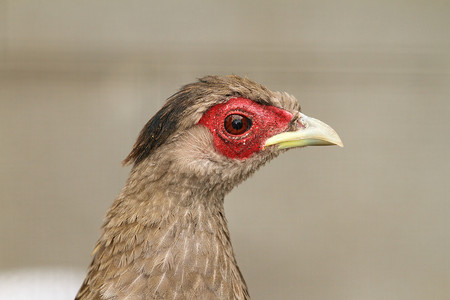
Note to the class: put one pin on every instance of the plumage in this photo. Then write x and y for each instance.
(166, 236)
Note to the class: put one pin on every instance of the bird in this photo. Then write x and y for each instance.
(165, 235)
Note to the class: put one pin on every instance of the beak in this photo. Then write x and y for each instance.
(312, 132)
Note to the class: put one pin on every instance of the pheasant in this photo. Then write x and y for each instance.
(166, 236)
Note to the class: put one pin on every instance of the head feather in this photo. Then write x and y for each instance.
(185, 108)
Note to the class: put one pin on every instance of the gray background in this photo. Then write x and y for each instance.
(79, 79)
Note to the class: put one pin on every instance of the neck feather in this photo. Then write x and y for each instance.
(165, 237)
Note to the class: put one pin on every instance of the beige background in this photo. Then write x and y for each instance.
(78, 80)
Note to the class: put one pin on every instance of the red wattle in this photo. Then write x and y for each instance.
(266, 121)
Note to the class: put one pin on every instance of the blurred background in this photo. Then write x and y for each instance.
(79, 79)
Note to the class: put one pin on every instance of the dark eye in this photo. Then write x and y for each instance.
(237, 124)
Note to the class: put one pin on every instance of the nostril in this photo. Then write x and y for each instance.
(296, 122)
(301, 123)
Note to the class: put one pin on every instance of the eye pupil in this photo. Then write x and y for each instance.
(237, 124)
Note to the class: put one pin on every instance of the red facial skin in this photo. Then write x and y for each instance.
(266, 122)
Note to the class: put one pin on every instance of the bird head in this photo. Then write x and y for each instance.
(219, 130)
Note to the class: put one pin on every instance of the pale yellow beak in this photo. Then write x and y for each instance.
(314, 133)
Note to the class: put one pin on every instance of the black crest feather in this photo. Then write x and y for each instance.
(159, 128)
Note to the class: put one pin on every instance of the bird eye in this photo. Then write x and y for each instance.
(237, 124)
